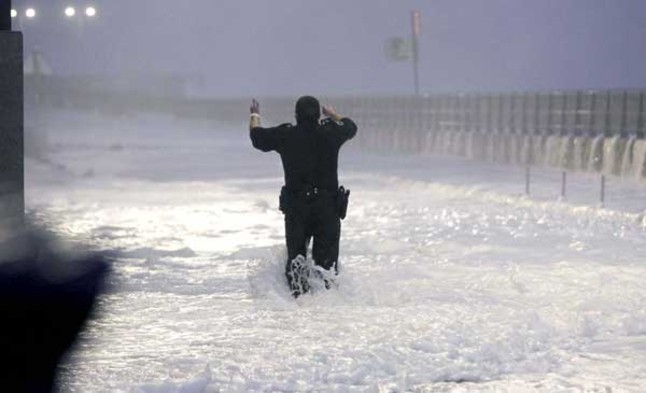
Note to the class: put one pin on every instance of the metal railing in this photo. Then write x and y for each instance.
(591, 113)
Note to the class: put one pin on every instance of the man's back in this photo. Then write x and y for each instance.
(309, 153)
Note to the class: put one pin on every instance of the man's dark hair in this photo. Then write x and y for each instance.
(308, 110)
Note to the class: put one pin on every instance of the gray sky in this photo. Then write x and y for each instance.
(289, 47)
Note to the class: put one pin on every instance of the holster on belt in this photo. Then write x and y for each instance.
(342, 200)
(283, 199)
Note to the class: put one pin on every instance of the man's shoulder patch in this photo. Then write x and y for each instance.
(286, 126)
(328, 121)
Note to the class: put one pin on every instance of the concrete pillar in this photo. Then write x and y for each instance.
(12, 201)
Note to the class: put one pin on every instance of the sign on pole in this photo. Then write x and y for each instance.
(399, 49)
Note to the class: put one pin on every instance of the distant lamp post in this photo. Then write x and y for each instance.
(30, 13)
(415, 40)
(90, 11)
(70, 12)
(14, 13)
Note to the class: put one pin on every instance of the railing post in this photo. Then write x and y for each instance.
(603, 190)
(512, 112)
(457, 117)
(563, 114)
(489, 113)
(432, 113)
(537, 114)
(577, 114)
(640, 118)
(468, 113)
(550, 108)
(563, 184)
(501, 119)
(593, 113)
(606, 131)
(624, 112)
(524, 128)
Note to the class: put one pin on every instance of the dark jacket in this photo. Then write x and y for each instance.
(309, 153)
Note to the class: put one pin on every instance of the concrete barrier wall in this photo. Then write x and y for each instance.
(615, 156)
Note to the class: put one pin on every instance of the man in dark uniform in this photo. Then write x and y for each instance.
(311, 200)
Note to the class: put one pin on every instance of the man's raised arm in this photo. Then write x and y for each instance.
(254, 119)
(347, 125)
(264, 139)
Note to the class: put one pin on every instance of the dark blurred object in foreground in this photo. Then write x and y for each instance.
(46, 295)
(5, 15)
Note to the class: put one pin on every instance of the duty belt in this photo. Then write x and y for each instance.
(310, 191)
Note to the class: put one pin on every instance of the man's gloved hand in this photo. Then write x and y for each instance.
(329, 111)
(255, 107)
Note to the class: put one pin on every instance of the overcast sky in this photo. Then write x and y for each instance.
(287, 47)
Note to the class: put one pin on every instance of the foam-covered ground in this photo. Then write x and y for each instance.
(451, 280)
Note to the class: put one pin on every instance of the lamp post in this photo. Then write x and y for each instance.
(20, 16)
(70, 12)
(79, 17)
(415, 19)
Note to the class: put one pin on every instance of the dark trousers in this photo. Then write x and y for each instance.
(316, 219)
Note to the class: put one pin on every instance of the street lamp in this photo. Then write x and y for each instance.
(30, 13)
(70, 12)
(14, 13)
(90, 11)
